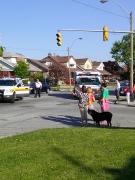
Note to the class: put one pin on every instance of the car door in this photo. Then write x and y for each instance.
(21, 90)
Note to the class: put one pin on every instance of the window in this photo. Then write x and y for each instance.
(88, 66)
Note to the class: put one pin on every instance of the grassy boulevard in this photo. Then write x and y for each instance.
(69, 153)
(67, 87)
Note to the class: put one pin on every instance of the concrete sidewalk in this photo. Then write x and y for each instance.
(122, 101)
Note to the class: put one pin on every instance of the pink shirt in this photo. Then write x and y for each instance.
(127, 90)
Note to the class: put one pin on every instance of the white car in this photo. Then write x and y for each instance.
(13, 88)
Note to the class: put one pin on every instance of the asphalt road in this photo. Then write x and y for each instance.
(56, 110)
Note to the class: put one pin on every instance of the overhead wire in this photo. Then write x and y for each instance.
(99, 9)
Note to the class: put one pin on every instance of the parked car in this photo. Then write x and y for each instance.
(68, 82)
(45, 87)
(123, 87)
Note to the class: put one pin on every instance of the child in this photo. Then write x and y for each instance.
(127, 90)
(91, 98)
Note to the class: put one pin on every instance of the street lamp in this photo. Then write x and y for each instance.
(131, 43)
(69, 48)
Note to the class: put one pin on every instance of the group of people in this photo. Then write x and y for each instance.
(86, 99)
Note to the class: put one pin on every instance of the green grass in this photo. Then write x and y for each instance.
(70, 153)
(61, 87)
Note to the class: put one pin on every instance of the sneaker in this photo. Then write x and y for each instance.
(103, 122)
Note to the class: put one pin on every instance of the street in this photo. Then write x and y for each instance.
(56, 110)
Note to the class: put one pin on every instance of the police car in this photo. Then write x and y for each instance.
(13, 88)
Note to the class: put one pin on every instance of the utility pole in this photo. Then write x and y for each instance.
(69, 68)
(131, 53)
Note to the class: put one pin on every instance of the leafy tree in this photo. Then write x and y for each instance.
(2, 49)
(121, 50)
(38, 75)
(21, 69)
(58, 71)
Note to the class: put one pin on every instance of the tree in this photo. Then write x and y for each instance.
(121, 50)
(21, 69)
(2, 49)
(58, 71)
(38, 75)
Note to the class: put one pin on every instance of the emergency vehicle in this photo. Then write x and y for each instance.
(13, 88)
(89, 79)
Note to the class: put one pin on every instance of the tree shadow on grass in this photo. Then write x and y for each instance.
(127, 173)
(67, 120)
(74, 161)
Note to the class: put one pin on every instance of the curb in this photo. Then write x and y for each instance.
(124, 103)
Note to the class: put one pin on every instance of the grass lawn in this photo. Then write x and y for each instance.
(69, 153)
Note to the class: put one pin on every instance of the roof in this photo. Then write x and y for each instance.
(7, 65)
(38, 64)
(81, 61)
(104, 72)
(50, 59)
(9, 55)
(96, 63)
(109, 63)
(33, 68)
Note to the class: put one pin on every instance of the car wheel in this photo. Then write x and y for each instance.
(47, 91)
(21, 98)
(13, 98)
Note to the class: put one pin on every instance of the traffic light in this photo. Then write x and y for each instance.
(59, 40)
(105, 33)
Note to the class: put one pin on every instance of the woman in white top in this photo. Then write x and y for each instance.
(117, 91)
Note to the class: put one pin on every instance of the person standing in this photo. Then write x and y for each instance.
(134, 90)
(91, 98)
(103, 101)
(117, 91)
(83, 104)
(127, 91)
(38, 87)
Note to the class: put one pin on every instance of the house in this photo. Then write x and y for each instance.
(9, 60)
(114, 68)
(6, 68)
(13, 57)
(100, 67)
(64, 60)
(37, 66)
(85, 63)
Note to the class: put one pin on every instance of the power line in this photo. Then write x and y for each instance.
(33, 49)
(99, 9)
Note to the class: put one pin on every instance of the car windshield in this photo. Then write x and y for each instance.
(89, 81)
(7, 82)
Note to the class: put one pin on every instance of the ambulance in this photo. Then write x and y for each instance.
(13, 88)
(89, 79)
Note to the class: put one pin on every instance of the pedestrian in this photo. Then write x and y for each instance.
(127, 91)
(91, 98)
(117, 91)
(83, 105)
(76, 89)
(103, 100)
(38, 87)
(134, 90)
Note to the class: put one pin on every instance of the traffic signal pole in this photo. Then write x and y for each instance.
(69, 68)
(131, 53)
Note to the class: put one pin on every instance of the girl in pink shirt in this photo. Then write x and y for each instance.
(127, 90)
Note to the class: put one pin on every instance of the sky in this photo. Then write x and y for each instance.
(29, 27)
